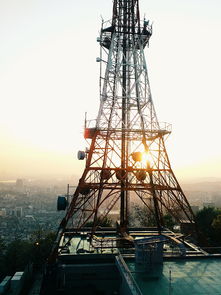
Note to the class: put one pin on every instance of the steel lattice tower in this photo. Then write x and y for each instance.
(126, 154)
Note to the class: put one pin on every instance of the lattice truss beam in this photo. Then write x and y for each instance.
(126, 121)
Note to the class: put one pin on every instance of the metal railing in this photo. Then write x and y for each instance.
(151, 127)
(127, 275)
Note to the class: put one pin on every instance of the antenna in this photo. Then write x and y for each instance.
(170, 282)
(126, 125)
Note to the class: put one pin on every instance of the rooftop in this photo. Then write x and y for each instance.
(106, 268)
(180, 277)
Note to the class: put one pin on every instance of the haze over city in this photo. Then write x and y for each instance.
(49, 79)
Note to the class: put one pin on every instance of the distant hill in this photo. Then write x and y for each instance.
(211, 184)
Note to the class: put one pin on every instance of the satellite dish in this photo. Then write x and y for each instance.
(81, 155)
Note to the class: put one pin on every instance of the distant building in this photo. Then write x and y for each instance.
(19, 183)
(3, 212)
(30, 218)
(18, 212)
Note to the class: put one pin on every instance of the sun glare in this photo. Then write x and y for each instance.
(146, 158)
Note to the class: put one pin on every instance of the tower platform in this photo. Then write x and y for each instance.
(102, 267)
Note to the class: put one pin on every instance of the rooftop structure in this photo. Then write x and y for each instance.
(155, 265)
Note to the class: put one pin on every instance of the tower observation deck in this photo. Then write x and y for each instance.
(126, 155)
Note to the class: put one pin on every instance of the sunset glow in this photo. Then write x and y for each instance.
(49, 79)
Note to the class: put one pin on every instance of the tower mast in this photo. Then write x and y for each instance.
(124, 193)
(127, 156)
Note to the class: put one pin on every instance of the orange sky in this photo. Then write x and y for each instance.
(49, 79)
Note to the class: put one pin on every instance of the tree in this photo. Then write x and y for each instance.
(216, 225)
(2, 260)
(41, 243)
(105, 222)
(141, 216)
(208, 224)
(2, 246)
(169, 221)
(17, 256)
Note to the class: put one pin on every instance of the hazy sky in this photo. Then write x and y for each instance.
(49, 79)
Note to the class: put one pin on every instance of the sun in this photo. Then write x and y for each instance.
(145, 158)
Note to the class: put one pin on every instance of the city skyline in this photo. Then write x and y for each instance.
(49, 80)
